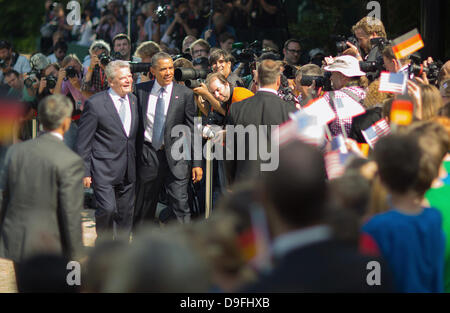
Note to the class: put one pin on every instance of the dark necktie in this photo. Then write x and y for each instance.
(158, 123)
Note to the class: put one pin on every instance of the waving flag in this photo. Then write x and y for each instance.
(321, 110)
(376, 131)
(301, 126)
(402, 112)
(347, 108)
(407, 44)
(393, 82)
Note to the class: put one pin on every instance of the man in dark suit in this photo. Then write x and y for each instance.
(43, 191)
(106, 142)
(265, 109)
(164, 105)
(306, 256)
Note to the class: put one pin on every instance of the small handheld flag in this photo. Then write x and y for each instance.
(402, 112)
(407, 44)
(376, 131)
(393, 82)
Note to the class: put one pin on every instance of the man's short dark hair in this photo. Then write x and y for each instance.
(60, 44)
(310, 70)
(297, 188)
(11, 72)
(121, 36)
(217, 54)
(398, 159)
(52, 110)
(159, 56)
(286, 44)
(5, 44)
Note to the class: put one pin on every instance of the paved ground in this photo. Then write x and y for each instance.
(7, 275)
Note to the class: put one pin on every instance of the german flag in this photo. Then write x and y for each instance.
(407, 44)
(402, 112)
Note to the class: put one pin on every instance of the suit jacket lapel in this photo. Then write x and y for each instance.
(134, 115)
(109, 105)
(173, 99)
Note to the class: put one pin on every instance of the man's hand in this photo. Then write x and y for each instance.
(352, 50)
(197, 174)
(61, 74)
(94, 60)
(87, 181)
(202, 90)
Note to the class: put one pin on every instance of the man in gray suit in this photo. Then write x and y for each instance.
(43, 190)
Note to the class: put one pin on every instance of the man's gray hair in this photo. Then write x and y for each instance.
(52, 111)
(159, 56)
(99, 44)
(111, 68)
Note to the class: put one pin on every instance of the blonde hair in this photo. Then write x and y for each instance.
(370, 25)
(147, 49)
(431, 101)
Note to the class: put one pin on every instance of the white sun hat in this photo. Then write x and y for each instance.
(346, 65)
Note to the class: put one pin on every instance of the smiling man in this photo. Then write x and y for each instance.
(163, 105)
(106, 142)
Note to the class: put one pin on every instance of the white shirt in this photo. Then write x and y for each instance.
(57, 135)
(153, 97)
(116, 100)
(300, 238)
(269, 90)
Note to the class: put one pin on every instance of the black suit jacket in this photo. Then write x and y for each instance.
(327, 266)
(264, 108)
(181, 111)
(364, 121)
(108, 153)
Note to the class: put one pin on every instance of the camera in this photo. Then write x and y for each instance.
(289, 71)
(2, 63)
(161, 13)
(245, 53)
(186, 73)
(432, 71)
(32, 77)
(71, 72)
(139, 67)
(341, 43)
(51, 81)
(104, 58)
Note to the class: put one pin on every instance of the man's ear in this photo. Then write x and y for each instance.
(66, 124)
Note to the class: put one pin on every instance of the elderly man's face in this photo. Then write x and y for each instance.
(122, 83)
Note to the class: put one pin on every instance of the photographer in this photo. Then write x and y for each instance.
(10, 60)
(145, 52)
(48, 80)
(365, 30)
(94, 79)
(122, 48)
(179, 28)
(307, 86)
(59, 52)
(221, 62)
(392, 64)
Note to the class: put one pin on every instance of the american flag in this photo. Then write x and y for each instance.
(336, 157)
(302, 127)
(376, 131)
(320, 109)
(335, 163)
(393, 82)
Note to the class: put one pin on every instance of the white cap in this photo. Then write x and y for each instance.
(346, 65)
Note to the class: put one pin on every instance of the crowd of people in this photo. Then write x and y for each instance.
(371, 184)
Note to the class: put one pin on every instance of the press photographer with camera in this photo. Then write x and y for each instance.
(94, 79)
(309, 83)
(10, 60)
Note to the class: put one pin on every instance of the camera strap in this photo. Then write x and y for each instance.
(353, 95)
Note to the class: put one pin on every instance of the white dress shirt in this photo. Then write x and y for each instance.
(269, 90)
(57, 135)
(153, 97)
(116, 100)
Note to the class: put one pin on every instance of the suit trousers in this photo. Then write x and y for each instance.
(114, 209)
(148, 192)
